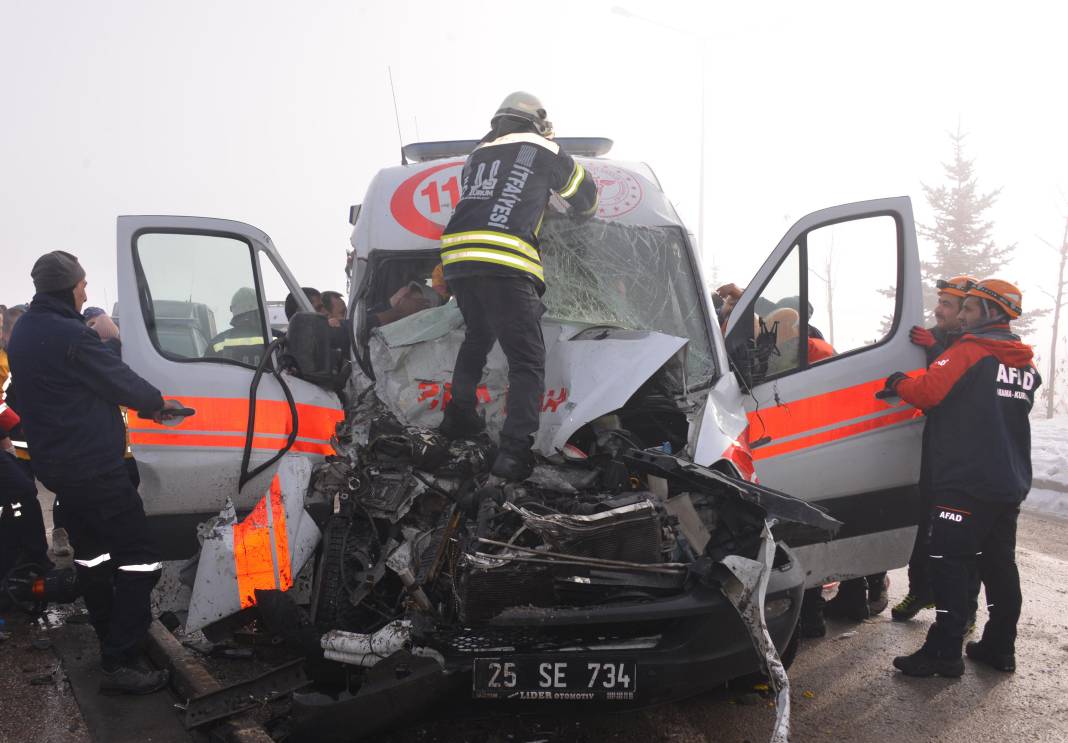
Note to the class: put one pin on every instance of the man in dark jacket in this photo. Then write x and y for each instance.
(977, 397)
(934, 342)
(22, 531)
(70, 389)
(489, 251)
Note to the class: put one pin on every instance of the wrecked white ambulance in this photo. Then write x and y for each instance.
(653, 553)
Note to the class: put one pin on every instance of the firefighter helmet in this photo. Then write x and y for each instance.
(244, 301)
(525, 107)
(958, 286)
(1001, 293)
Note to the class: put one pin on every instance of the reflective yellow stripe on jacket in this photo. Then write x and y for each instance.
(228, 342)
(487, 246)
(573, 182)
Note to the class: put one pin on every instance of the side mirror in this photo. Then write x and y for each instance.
(308, 350)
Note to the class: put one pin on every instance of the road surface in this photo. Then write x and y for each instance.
(844, 688)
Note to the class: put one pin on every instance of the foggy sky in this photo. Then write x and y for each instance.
(279, 113)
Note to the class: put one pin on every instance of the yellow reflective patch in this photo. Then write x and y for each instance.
(486, 255)
(229, 342)
(574, 182)
(493, 238)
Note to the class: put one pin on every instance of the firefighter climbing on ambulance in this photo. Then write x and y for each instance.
(489, 251)
(977, 397)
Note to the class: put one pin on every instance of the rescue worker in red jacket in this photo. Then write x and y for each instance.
(977, 397)
(489, 251)
(934, 341)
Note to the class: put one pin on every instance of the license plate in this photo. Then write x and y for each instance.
(517, 677)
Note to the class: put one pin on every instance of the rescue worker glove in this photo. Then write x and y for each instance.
(922, 337)
(893, 380)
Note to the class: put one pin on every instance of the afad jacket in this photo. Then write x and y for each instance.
(505, 189)
(977, 397)
(70, 386)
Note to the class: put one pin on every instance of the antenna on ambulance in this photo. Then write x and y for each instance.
(396, 113)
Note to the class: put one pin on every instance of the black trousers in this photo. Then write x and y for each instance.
(22, 532)
(508, 311)
(117, 561)
(973, 539)
(919, 570)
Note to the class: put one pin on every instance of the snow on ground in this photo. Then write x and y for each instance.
(1049, 462)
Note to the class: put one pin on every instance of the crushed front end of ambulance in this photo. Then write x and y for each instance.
(619, 575)
(621, 578)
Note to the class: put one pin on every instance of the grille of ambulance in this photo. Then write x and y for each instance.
(222, 422)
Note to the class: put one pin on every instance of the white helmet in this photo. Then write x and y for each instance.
(524, 106)
(244, 301)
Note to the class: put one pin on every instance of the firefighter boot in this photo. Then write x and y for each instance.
(924, 663)
(129, 679)
(984, 654)
(910, 606)
(515, 460)
(461, 423)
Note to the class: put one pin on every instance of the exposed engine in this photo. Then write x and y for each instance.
(419, 527)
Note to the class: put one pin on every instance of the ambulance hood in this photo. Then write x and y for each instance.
(589, 371)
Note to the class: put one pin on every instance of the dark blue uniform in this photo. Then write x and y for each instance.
(489, 251)
(70, 387)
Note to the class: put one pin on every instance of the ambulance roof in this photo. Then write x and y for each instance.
(407, 206)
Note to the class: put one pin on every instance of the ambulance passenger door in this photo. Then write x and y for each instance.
(815, 334)
(194, 321)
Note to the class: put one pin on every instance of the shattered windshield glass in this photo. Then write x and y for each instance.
(607, 273)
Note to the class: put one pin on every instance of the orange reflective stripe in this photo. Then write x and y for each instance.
(262, 561)
(231, 414)
(224, 441)
(281, 536)
(804, 442)
(822, 411)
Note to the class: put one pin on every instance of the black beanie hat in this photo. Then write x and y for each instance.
(56, 271)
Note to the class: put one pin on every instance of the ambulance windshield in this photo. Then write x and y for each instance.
(637, 277)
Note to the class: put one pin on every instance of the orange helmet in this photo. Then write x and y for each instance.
(1001, 293)
(958, 286)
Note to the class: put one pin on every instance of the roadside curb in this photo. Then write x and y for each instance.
(190, 679)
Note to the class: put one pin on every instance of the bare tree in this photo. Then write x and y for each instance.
(828, 279)
(1058, 303)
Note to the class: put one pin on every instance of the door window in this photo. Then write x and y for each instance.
(199, 297)
(835, 293)
(852, 283)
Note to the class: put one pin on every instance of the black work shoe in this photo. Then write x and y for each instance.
(921, 664)
(851, 601)
(513, 466)
(133, 680)
(458, 423)
(999, 661)
(812, 627)
(910, 606)
(878, 599)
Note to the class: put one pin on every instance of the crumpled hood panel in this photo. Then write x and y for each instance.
(585, 376)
